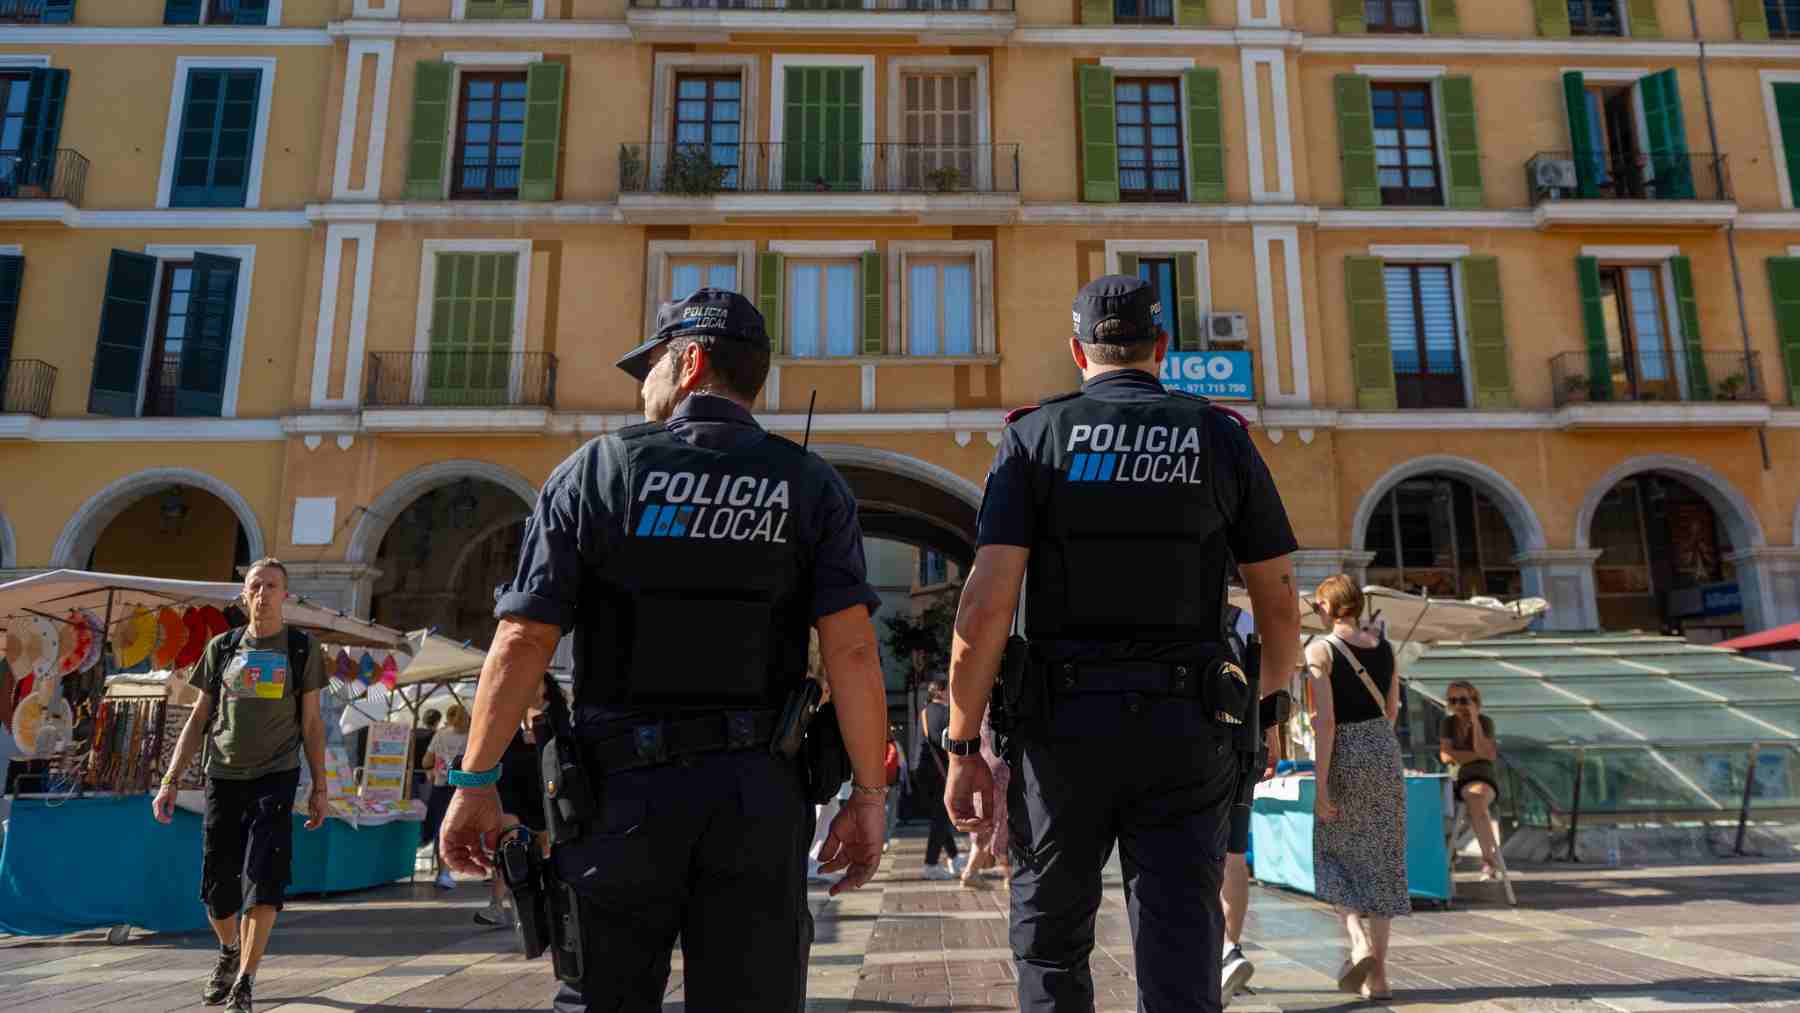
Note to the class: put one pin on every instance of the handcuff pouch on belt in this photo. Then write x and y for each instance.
(569, 799)
(549, 911)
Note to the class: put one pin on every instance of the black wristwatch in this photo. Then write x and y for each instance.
(960, 747)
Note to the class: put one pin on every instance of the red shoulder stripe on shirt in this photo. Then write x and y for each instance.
(1242, 421)
(1020, 412)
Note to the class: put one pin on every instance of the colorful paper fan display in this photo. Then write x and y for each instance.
(49, 639)
(28, 719)
(21, 646)
(215, 622)
(343, 668)
(390, 672)
(171, 637)
(96, 641)
(72, 637)
(366, 669)
(134, 639)
(194, 623)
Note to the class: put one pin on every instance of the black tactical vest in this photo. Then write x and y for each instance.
(1130, 548)
(704, 606)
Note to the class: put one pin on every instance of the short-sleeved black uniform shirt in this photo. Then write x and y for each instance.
(1257, 526)
(580, 518)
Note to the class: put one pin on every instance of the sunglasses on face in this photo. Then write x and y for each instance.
(1458, 701)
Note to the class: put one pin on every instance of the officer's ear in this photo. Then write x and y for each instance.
(1079, 352)
(692, 366)
(1162, 345)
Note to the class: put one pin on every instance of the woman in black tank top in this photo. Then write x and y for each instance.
(928, 776)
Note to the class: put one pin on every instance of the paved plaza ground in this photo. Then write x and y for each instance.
(1715, 937)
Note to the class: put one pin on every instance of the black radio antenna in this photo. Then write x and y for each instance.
(807, 438)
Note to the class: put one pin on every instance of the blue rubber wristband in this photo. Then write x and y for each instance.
(474, 779)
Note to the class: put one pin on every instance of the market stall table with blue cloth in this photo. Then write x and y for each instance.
(1282, 829)
(62, 868)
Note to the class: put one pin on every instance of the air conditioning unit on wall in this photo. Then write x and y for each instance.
(1228, 329)
(1554, 175)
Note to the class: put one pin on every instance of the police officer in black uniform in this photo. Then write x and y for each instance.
(1125, 499)
(690, 556)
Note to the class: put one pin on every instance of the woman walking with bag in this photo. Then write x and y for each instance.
(1359, 837)
(929, 776)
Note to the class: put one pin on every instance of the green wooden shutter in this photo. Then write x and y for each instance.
(45, 96)
(1553, 19)
(1672, 173)
(1099, 134)
(771, 281)
(1096, 12)
(124, 327)
(822, 128)
(1356, 136)
(874, 322)
(1462, 141)
(1485, 312)
(251, 12)
(1643, 19)
(544, 83)
(1191, 12)
(59, 12)
(1372, 360)
(212, 306)
(1699, 386)
(218, 133)
(181, 12)
(1593, 319)
(1206, 137)
(12, 279)
(485, 10)
(1187, 298)
(1787, 115)
(1752, 20)
(471, 328)
(1784, 286)
(426, 150)
(1583, 146)
(1444, 20)
(1347, 17)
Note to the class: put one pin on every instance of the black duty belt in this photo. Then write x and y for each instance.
(1179, 678)
(651, 743)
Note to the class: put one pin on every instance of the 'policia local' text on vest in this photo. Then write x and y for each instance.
(704, 605)
(1130, 549)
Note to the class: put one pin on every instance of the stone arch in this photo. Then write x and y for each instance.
(1727, 502)
(83, 530)
(1527, 532)
(475, 542)
(900, 464)
(379, 516)
(904, 499)
(9, 545)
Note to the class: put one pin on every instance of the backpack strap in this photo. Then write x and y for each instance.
(298, 647)
(1344, 651)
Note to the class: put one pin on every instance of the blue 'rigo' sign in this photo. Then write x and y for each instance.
(1223, 376)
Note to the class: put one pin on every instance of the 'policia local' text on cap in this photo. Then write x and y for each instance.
(713, 312)
(1120, 297)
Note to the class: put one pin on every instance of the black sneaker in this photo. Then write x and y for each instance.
(1235, 974)
(218, 987)
(240, 1001)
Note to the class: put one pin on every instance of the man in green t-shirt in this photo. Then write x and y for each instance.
(249, 724)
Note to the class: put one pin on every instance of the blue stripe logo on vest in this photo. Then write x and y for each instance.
(648, 522)
(1092, 467)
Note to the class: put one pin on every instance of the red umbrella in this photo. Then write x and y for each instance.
(1781, 638)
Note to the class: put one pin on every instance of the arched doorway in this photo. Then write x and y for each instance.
(174, 523)
(1438, 534)
(444, 554)
(1663, 562)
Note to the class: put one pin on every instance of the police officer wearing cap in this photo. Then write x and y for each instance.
(1116, 510)
(689, 556)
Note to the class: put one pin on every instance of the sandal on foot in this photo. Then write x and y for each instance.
(1351, 976)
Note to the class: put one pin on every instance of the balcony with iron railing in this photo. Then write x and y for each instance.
(961, 22)
(26, 386)
(458, 390)
(1600, 188)
(37, 12)
(58, 177)
(1656, 388)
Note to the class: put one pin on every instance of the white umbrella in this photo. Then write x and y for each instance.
(1421, 619)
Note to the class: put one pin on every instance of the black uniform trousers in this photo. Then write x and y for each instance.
(1155, 774)
(711, 849)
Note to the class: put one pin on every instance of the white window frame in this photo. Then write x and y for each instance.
(1627, 76)
(894, 264)
(459, 10)
(428, 292)
(656, 287)
(240, 315)
(24, 61)
(1433, 256)
(670, 66)
(1660, 256)
(273, 22)
(460, 62)
(1200, 248)
(843, 249)
(1624, 11)
(1433, 76)
(1163, 66)
(265, 94)
(899, 67)
(778, 67)
(1771, 78)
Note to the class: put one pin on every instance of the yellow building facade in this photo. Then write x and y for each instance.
(1515, 284)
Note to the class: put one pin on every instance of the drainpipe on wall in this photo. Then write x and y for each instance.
(1737, 274)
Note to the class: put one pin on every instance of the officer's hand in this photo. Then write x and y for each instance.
(1272, 741)
(854, 844)
(969, 776)
(471, 828)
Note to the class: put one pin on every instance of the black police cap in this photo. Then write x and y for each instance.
(1120, 297)
(710, 312)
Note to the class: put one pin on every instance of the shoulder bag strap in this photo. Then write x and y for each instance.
(298, 648)
(1362, 673)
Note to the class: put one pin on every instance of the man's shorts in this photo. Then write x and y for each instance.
(247, 842)
(1240, 830)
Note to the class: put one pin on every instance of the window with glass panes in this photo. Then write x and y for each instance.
(14, 90)
(940, 306)
(1144, 12)
(218, 125)
(490, 136)
(1406, 151)
(688, 275)
(824, 307)
(1440, 535)
(1161, 274)
(1421, 304)
(934, 569)
(164, 377)
(1393, 16)
(708, 117)
(1783, 17)
(1148, 111)
(1595, 17)
(937, 122)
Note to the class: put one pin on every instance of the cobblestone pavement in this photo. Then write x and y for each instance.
(1718, 937)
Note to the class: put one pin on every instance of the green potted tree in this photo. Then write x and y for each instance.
(945, 179)
(692, 172)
